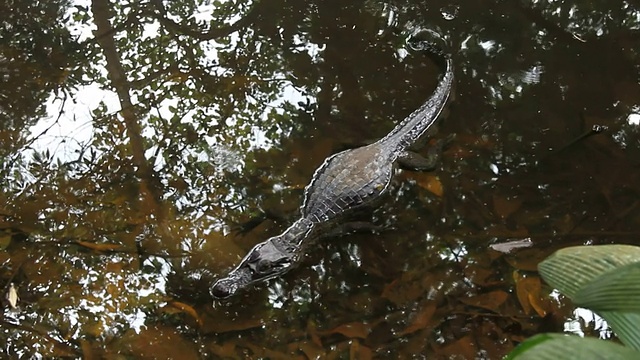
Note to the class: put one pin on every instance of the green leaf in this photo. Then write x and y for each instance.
(625, 325)
(570, 269)
(569, 347)
(605, 279)
(617, 290)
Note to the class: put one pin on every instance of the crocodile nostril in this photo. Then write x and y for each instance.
(220, 290)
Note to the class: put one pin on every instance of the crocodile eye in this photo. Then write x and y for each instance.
(253, 256)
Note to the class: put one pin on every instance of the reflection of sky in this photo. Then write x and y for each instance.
(583, 318)
(586, 317)
(116, 310)
(634, 116)
(64, 134)
(67, 125)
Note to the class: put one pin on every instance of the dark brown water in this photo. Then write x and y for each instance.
(114, 234)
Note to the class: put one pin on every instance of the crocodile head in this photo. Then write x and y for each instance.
(263, 262)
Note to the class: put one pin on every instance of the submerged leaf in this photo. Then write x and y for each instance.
(5, 241)
(358, 351)
(350, 330)
(428, 182)
(311, 350)
(463, 348)
(528, 290)
(188, 309)
(155, 340)
(226, 350)
(505, 206)
(421, 320)
(490, 301)
(98, 247)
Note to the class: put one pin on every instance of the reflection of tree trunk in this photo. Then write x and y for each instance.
(214, 32)
(150, 189)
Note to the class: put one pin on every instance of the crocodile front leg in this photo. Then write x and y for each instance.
(413, 161)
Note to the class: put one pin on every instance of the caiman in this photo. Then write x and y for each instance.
(346, 181)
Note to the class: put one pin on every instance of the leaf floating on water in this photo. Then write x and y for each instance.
(12, 296)
(507, 247)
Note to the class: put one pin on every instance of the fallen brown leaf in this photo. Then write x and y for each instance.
(528, 291)
(350, 330)
(490, 301)
(428, 182)
(463, 348)
(421, 320)
(98, 247)
(312, 330)
(188, 309)
(310, 349)
(226, 350)
(526, 259)
(264, 353)
(505, 206)
(358, 351)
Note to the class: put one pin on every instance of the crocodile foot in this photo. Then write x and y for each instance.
(414, 161)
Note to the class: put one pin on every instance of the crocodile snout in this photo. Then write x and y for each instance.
(223, 288)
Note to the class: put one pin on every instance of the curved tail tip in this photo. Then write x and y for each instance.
(430, 41)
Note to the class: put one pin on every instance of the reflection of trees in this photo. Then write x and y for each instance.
(179, 164)
(37, 56)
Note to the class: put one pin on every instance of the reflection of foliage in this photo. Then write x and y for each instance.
(37, 56)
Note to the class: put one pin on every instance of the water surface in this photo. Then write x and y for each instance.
(113, 224)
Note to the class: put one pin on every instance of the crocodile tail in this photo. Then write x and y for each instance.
(418, 122)
(421, 41)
